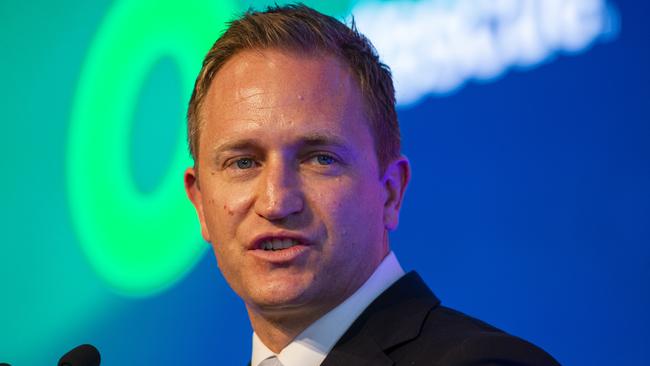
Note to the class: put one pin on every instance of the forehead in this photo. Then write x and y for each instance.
(276, 90)
(263, 68)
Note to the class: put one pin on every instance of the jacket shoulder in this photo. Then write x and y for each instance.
(451, 338)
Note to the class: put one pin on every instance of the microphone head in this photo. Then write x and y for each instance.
(84, 355)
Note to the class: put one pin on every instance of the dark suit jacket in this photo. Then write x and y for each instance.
(406, 325)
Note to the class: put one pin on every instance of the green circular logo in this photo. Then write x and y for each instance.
(139, 243)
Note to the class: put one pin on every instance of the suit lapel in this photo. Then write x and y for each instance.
(360, 350)
(395, 317)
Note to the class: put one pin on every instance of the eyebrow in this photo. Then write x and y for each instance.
(314, 139)
(245, 144)
(323, 139)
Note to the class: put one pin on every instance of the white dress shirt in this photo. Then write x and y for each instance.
(311, 346)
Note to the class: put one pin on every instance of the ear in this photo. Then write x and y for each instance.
(194, 194)
(396, 177)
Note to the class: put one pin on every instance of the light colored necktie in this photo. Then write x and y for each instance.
(271, 361)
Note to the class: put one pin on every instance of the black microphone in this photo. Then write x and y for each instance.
(84, 355)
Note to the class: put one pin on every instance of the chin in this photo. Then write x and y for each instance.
(280, 294)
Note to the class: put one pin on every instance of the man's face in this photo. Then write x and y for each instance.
(289, 191)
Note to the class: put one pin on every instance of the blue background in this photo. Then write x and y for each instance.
(529, 206)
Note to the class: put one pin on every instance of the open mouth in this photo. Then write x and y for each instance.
(278, 244)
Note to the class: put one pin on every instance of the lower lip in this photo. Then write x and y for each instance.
(280, 256)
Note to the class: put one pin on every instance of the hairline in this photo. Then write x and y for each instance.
(292, 50)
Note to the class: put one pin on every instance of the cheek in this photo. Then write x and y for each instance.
(355, 210)
(225, 208)
(230, 199)
(229, 263)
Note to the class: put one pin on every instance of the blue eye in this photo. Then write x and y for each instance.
(324, 159)
(244, 163)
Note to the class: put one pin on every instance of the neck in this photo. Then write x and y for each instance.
(276, 331)
(276, 327)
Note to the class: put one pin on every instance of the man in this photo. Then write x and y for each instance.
(298, 179)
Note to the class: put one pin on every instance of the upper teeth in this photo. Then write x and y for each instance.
(276, 244)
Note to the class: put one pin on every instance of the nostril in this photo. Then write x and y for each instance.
(278, 209)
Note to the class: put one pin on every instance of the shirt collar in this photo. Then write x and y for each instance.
(311, 346)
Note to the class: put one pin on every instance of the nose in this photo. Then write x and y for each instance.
(279, 194)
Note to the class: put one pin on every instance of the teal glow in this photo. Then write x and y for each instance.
(154, 131)
(138, 243)
(337, 8)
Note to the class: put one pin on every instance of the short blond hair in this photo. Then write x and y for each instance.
(299, 28)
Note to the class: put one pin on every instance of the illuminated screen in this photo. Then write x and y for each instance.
(526, 121)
